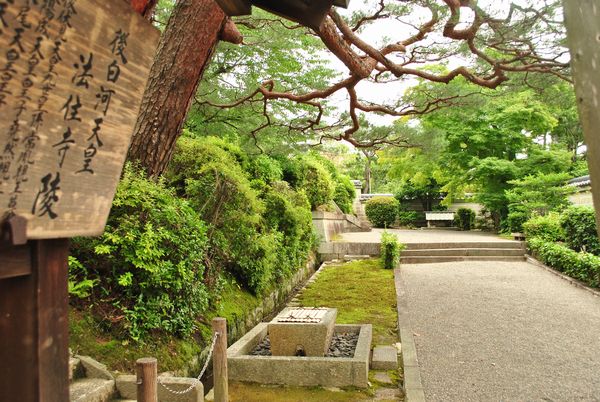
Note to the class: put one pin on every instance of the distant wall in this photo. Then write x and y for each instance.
(329, 224)
(583, 197)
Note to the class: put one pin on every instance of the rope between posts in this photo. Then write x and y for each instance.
(197, 379)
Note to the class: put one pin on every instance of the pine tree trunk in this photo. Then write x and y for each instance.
(183, 54)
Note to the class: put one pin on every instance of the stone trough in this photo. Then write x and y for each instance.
(313, 369)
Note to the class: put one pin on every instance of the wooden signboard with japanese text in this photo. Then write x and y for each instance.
(72, 76)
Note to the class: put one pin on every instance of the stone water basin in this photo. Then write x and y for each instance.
(301, 370)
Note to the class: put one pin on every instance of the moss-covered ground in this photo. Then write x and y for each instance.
(88, 337)
(363, 292)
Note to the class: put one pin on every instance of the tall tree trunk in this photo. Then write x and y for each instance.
(184, 51)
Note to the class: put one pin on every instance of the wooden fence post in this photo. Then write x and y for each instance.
(221, 385)
(147, 387)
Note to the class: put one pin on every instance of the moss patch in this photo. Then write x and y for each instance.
(87, 337)
(363, 292)
(243, 392)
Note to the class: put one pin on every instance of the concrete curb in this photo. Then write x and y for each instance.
(413, 387)
(572, 281)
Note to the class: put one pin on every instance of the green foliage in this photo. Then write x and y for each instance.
(579, 224)
(465, 218)
(382, 211)
(547, 227)
(539, 193)
(260, 228)
(148, 264)
(390, 250)
(343, 194)
(579, 265)
(515, 220)
(310, 175)
(409, 218)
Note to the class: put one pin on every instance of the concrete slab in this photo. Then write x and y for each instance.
(384, 358)
(91, 390)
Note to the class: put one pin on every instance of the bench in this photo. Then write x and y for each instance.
(438, 216)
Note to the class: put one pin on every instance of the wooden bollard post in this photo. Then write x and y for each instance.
(147, 387)
(221, 385)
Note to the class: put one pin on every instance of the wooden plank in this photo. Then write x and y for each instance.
(33, 323)
(76, 74)
(15, 262)
(582, 18)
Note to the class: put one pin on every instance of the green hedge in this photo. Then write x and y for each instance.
(382, 211)
(545, 227)
(579, 224)
(582, 266)
(465, 218)
(390, 250)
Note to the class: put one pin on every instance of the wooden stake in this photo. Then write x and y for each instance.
(221, 384)
(147, 386)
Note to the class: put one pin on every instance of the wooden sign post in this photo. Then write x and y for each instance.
(72, 75)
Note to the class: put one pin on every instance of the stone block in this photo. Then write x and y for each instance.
(384, 358)
(127, 388)
(94, 369)
(91, 390)
(302, 338)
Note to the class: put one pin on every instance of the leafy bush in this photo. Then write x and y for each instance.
(309, 175)
(544, 227)
(409, 218)
(515, 220)
(465, 218)
(288, 212)
(148, 264)
(539, 194)
(582, 266)
(390, 250)
(579, 224)
(211, 177)
(382, 211)
(344, 194)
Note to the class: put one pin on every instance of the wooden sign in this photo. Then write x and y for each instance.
(72, 75)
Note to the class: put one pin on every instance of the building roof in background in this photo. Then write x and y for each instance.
(581, 181)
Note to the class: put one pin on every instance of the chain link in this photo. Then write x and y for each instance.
(196, 380)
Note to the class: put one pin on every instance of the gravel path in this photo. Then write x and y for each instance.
(490, 331)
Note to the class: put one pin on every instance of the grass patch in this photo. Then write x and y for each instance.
(363, 292)
(243, 392)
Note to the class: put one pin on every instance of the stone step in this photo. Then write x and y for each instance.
(350, 257)
(455, 245)
(455, 252)
(92, 390)
(75, 368)
(437, 259)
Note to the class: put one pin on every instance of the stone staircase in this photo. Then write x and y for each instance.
(423, 253)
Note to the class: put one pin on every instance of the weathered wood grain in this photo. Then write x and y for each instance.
(68, 105)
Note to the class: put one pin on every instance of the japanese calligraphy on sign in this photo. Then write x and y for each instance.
(72, 75)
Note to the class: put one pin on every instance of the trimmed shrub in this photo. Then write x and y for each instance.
(545, 227)
(148, 266)
(465, 218)
(515, 221)
(581, 266)
(382, 211)
(409, 218)
(390, 250)
(579, 224)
